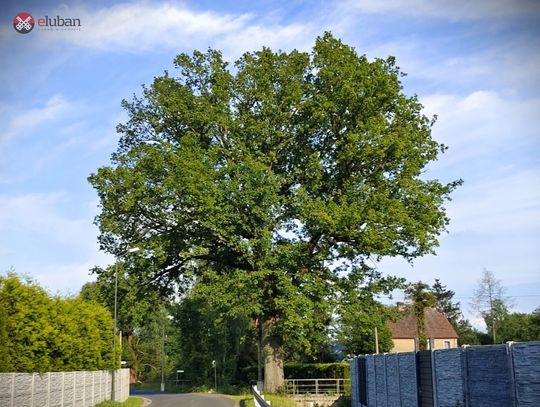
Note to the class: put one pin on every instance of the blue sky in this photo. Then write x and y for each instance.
(476, 64)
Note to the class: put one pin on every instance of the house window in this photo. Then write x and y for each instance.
(446, 344)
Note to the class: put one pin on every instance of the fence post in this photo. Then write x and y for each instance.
(13, 390)
(32, 391)
(49, 389)
(434, 378)
(510, 354)
(63, 388)
(465, 368)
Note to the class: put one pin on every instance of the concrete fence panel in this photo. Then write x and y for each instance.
(61, 389)
(449, 377)
(392, 379)
(488, 374)
(407, 379)
(371, 382)
(475, 376)
(353, 366)
(526, 362)
(381, 386)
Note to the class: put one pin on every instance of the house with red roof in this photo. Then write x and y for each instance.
(440, 333)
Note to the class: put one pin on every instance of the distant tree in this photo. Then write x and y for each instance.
(207, 332)
(467, 335)
(359, 313)
(420, 297)
(141, 319)
(358, 319)
(5, 362)
(444, 304)
(535, 322)
(519, 327)
(490, 302)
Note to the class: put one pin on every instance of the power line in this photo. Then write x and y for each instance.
(393, 297)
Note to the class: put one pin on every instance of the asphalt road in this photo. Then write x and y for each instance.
(189, 400)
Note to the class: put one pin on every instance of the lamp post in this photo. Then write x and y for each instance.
(163, 358)
(132, 250)
(215, 375)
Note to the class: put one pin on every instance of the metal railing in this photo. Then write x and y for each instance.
(258, 398)
(317, 386)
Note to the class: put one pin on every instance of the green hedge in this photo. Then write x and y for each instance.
(317, 371)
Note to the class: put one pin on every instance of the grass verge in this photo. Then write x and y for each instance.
(246, 400)
(130, 402)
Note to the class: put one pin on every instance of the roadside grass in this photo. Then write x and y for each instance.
(246, 400)
(130, 402)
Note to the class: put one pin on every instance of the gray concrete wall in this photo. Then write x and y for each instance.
(61, 389)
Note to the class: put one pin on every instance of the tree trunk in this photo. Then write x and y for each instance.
(273, 360)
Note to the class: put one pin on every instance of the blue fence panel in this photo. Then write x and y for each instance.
(392, 379)
(408, 386)
(489, 382)
(380, 377)
(526, 358)
(354, 384)
(449, 377)
(371, 381)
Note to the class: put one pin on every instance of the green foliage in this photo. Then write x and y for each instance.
(443, 302)
(358, 319)
(141, 318)
(43, 333)
(302, 371)
(317, 370)
(275, 178)
(130, 402)
(206, 332)
(467, 335)
(520, 327)
(421, 297)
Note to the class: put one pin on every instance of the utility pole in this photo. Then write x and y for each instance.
(259, 356)
(215, 375)
(163, 358)
(376, 341)
(113, 378)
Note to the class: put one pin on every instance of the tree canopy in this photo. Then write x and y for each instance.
(277, 177)
(41, 333)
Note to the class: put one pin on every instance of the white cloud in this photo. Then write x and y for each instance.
(40, 239)
(20, 123)
(63, 278)
(144, 27)
(452, 10)
(485, 130)
(40, 214)
(501, 206)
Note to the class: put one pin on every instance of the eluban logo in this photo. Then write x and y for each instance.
(23, 22)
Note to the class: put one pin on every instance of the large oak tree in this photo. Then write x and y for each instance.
(279, 177)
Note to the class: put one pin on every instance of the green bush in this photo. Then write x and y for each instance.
(317, 371)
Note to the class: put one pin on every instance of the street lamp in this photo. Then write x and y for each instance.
(215, 375)
(131, 250)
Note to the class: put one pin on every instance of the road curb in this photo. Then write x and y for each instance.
(146, 402)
